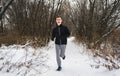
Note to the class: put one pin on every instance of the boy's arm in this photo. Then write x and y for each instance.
(53, 35)
(67, 32)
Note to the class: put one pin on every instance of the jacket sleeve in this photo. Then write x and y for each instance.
(53, 35)
(67, 32)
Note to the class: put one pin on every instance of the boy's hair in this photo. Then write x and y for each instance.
(58, 16)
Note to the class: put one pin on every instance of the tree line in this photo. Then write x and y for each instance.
(25, 19)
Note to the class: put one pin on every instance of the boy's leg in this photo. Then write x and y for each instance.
(63, 48)
(58, 55)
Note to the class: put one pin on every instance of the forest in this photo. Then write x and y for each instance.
(94, 23)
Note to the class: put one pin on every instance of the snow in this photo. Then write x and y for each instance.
(43, 62)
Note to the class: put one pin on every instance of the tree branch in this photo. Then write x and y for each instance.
(108, 33)
(3, 9)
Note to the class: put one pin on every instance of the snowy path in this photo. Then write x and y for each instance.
(75, 64)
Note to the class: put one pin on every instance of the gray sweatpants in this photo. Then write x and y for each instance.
(60, 52)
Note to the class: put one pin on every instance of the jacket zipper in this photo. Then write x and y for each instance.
(59, 35)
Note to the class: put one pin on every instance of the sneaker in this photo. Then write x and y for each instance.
(64, 58)
(59, 68)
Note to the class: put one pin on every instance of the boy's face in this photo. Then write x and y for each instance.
(58, 21)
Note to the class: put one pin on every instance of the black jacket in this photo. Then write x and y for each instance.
(60, 33)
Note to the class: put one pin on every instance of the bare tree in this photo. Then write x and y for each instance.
(2, 11)
(95, 18)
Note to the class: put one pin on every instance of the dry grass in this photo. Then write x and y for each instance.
(11, 39)
(8, 39)
(116, 37)
(108, 50)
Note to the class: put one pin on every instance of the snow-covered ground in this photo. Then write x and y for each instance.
(42, 61)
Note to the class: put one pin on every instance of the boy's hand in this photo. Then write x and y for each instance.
(52, 39)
